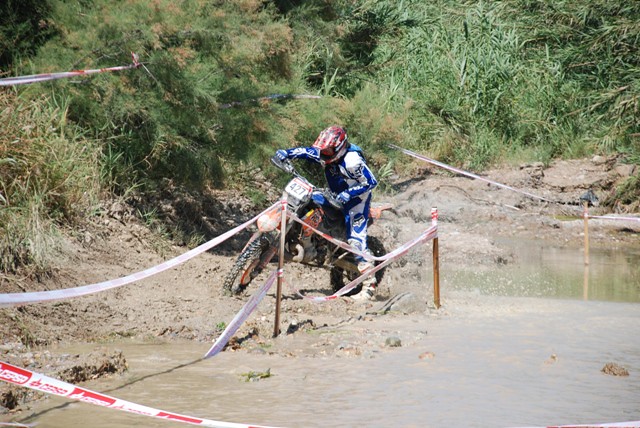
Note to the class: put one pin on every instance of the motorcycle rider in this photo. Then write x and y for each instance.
(351, 180)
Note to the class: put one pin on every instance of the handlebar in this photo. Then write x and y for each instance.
(329, 197)
(284, 165)
(287, 166)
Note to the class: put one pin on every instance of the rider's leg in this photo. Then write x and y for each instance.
(356, 218)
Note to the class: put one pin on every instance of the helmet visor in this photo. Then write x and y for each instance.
(327, 154)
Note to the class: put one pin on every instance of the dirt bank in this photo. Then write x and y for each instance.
(187, 303)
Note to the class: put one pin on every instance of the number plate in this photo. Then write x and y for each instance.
(299, 190)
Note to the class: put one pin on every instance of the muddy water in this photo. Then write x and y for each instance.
(524, 353)
(485, 364)
(536, 269)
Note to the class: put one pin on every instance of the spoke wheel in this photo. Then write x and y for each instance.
(246, 266)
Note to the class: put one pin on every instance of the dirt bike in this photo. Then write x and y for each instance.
(302, 245)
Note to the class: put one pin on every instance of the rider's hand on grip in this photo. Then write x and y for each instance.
(276, 161)
(331, 198)
(343, 197)
(284, 165)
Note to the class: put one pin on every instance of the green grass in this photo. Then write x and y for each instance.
(469, 83)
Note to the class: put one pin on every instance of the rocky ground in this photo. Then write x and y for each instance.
(187, 302)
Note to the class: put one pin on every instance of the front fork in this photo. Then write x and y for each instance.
(267, 255)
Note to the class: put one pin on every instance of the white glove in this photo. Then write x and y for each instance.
(343, 197)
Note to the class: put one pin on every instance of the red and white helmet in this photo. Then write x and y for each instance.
(332, 143)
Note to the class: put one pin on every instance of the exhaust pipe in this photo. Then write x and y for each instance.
(299, 255)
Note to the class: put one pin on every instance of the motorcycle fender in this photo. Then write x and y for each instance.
(270, 220)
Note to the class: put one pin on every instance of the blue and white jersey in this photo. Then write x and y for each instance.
(350, 174)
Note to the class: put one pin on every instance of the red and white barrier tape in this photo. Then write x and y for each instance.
(257, 297)
(427, 235)
(610, 217)
(26, 378)
(16, 424)
(16, 299)
(241, 316)
(468, 174)
(348, 247)
(504, 186)
(34, 78)
(631, 424)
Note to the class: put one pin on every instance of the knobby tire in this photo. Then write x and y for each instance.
(245, 259)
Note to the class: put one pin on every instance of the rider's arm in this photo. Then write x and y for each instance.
(358, 170)
(307, 153)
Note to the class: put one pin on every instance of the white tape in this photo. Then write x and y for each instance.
(16, 299)
(256, 298)
(631, 424)
(495, 183)
(240, 317)
(468, 174)
(353, 250)
(425, 236)
(610, 217)
(26, 378)
(34, 78)
(16, 424)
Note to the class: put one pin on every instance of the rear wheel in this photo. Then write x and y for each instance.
(247, 266)
(340, 276)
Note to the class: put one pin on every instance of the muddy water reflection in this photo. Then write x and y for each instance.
(491, 367)
(491, 364)
(541, 270)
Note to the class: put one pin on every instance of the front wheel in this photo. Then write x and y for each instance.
(248, 265)
(339, 274)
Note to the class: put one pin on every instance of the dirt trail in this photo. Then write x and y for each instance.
(187, 303)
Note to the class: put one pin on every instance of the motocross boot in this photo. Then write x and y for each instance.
(368, 285)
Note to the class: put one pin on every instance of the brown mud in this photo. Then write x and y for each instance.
(187, 302)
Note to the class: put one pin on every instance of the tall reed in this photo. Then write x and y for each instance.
(49, 176)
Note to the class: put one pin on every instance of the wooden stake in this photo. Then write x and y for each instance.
(585, 285)
(436, 262)
(283, 233)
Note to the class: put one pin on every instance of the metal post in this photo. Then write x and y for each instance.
(283, 232)
(436, 261)
(585, 215)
